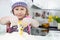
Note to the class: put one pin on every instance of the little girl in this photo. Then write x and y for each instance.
(21, 17)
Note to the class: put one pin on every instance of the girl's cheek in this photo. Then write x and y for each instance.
(15, 13)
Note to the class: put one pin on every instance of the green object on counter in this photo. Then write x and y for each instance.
(57, 19)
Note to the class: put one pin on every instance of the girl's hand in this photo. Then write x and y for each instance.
(34, 23)
(4, 20)
(26, 22)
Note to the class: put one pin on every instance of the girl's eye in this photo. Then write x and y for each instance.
(22, 9)
(16, 9)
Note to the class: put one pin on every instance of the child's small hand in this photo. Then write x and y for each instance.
(26, 22)
(34, 23)
(4, 20)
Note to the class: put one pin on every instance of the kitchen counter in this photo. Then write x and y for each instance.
(53, 35)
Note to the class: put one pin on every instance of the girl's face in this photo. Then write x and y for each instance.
(20, 12)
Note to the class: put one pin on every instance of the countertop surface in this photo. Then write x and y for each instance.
(52, 35)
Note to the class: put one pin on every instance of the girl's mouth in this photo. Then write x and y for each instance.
(20, 15)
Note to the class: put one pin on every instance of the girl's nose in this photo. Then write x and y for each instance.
(19, 12)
